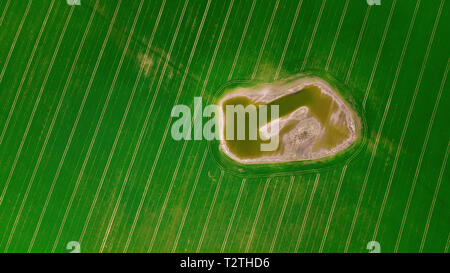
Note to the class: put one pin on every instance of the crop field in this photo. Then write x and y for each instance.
(88, 162)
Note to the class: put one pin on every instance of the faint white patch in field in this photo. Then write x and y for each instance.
(145, 62)
(211, 176)
(151, 61)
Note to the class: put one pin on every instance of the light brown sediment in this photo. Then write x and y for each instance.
(303, 141)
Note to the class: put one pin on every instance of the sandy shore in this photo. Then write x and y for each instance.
(307, 125)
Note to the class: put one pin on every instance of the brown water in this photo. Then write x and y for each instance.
(321, 106)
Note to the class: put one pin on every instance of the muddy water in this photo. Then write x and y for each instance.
(321, 106)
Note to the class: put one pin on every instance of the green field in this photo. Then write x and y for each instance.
(86, 152)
